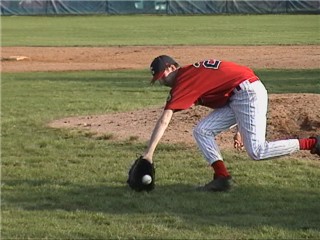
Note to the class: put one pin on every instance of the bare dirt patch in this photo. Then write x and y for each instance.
(284, 121)
(289, 115)
(140, 57)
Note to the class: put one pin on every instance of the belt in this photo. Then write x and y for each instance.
(241, 85)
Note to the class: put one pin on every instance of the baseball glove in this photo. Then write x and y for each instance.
(138, 170)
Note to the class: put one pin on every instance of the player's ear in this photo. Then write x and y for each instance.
(172, 67)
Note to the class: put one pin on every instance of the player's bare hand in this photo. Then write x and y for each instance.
(237, 142)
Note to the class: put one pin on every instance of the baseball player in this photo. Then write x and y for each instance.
(237, 96)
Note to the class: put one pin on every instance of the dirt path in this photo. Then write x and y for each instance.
(79, 58)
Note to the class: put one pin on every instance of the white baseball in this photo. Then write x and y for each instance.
(146, 179)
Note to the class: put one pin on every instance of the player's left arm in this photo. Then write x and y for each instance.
(157, 133)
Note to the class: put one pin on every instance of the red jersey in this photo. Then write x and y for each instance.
(208, 83)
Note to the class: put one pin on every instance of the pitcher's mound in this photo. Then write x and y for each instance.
(289, 116)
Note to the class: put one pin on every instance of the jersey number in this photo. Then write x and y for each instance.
(213, 64)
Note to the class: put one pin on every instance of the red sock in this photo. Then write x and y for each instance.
(220, 169)
(307, 143)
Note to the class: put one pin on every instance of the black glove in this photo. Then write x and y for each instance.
(138, 170)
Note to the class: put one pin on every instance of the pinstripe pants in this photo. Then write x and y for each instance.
(248, 109)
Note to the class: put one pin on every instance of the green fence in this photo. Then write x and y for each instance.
(169, 7)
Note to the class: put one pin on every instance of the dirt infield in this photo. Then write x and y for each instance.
(139, 57)
(289, 115)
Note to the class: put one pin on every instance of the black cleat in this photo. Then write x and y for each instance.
(316, 149)
(218, 184)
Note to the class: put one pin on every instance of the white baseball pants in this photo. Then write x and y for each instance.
(248, 109)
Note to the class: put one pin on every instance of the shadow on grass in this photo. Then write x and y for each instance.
(242, 207)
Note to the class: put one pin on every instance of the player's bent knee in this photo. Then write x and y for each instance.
(199, 132)
(196, 132)
(254, 155)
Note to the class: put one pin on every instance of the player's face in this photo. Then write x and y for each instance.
(169, 76)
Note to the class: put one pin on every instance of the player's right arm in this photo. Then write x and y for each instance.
(157, 133)
(237, 142)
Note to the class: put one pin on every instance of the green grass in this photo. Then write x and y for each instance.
(67, 184)
(291, 81)
(160, 30)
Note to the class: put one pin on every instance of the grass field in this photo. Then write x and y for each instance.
(161, 30)
(66, 184)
